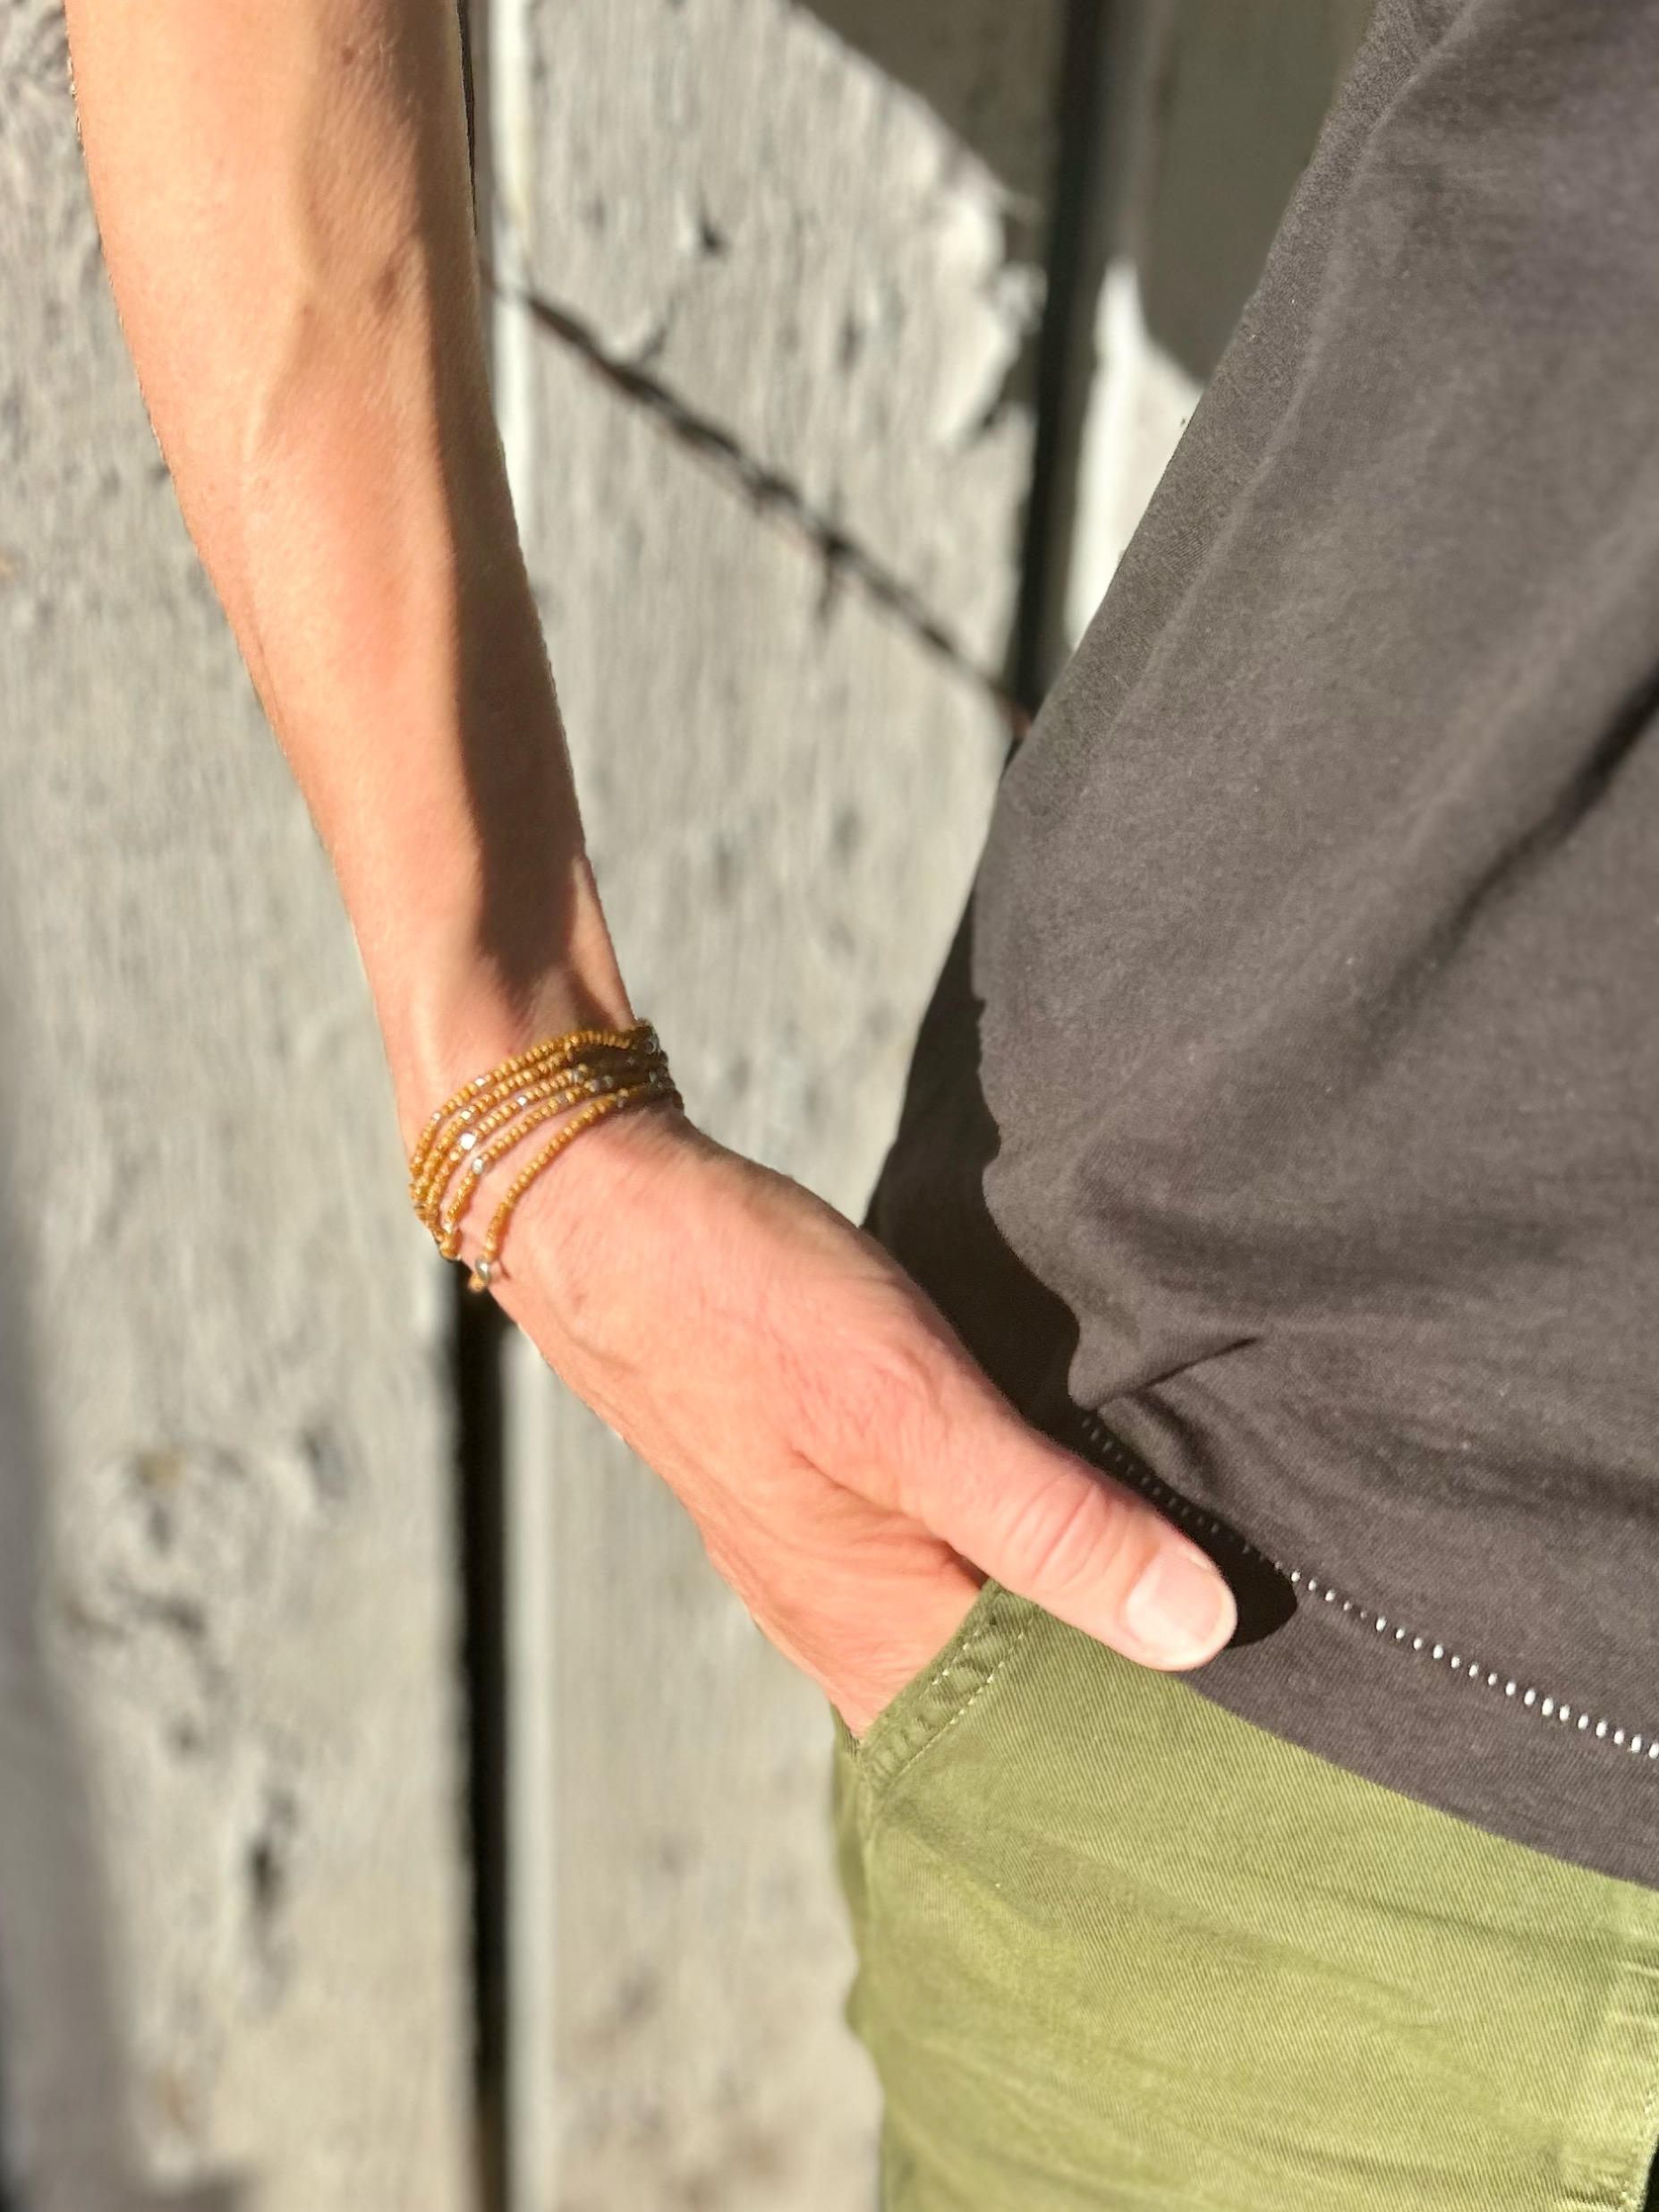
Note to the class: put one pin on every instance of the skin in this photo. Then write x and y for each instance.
(283, 194)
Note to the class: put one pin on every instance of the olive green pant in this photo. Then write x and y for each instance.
(1118, 1948)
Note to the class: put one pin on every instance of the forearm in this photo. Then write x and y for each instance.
(282, 190)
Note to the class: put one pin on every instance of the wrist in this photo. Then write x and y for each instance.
(495, 1137)
(451, 1005)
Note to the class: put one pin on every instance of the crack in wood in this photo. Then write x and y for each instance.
(772, 495)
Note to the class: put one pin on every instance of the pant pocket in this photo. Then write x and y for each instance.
(941, 1696)
(1121, 1951)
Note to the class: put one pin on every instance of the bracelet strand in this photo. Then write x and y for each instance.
(540, 1058)
(447, 1226)
(587, 1074)
(481, 1120)
(454, 1131)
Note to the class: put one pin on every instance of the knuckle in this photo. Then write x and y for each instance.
(867, 1406)
(891, 1398)
(1065, 1538)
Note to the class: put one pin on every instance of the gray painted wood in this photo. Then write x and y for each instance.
(786, 792)
(1213, 115)
(231, 1902)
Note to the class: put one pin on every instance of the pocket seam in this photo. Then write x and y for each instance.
(961, 1712)
(923, 1712)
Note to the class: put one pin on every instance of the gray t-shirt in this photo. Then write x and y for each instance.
(1289, 1113)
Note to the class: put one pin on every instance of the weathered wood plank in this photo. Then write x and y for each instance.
(785, 803)
(786, 792)
(232, 1899)
(741, 200)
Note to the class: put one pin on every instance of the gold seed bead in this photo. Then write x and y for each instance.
(657, 1088)
(503, 1090)
(577, 1079)
(570, 1085)
(447, 1227)
(573, 1042)
(485, 1092)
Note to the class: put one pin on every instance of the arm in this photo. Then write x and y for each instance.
(283, 199)
(282, 190)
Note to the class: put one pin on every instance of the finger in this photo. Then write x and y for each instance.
(1075, 1542)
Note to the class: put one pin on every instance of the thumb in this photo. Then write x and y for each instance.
(1046, 1526)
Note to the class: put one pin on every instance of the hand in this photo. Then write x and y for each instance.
(853, 1475)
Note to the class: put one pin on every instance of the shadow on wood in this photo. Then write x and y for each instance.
(67, 2085)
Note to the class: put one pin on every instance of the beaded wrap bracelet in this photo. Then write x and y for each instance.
(596, 1072)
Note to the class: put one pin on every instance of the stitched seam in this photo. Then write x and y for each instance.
(959, 1655)
(961, 1713)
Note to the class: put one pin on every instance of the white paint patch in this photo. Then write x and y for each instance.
(513, 198)
(1141, 401)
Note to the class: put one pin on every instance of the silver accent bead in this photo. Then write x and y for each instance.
(1476, 1671)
